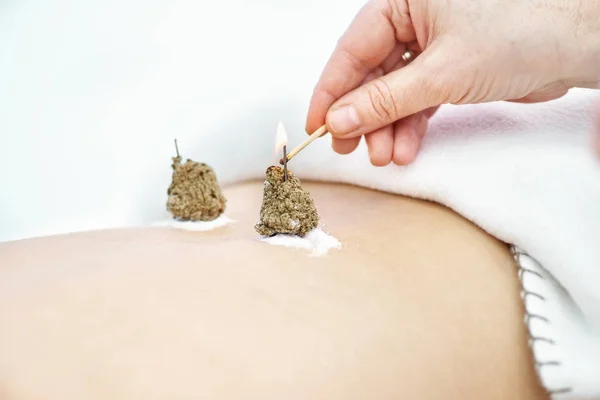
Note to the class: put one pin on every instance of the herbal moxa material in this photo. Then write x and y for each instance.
(286, 208)
(194, 193)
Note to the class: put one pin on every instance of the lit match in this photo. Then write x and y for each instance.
(317, 134)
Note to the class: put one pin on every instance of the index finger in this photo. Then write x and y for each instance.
(368, 41)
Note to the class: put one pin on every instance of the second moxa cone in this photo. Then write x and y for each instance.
(194, 193)
(286, 208)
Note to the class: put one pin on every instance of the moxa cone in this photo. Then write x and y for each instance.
(286, 208)
(194, 193)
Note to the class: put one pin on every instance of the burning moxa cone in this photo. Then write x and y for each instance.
(194, 193)
(286, 208)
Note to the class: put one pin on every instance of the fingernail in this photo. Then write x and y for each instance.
(344, 121)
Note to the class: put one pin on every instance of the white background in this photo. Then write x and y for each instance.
(92, 94)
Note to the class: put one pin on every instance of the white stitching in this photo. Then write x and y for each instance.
(517, 254)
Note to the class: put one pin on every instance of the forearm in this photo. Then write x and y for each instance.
(583, 55)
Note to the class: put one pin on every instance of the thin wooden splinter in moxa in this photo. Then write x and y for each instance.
(286, 208)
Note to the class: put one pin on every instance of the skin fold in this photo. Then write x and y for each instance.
(418, 304)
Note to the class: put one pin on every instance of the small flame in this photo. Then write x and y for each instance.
(281, 140)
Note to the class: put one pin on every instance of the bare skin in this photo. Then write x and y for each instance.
(419, 304)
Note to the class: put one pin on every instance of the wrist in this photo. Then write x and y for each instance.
(584, 52)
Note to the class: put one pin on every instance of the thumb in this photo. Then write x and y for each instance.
(416, 87)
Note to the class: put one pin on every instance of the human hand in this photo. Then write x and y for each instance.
(468, 52)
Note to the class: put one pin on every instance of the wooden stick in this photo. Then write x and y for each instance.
(176, 148)
(284, 163)
(317, 134)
